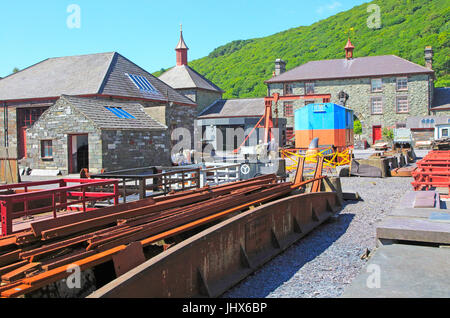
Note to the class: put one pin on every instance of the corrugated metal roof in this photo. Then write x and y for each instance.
(369, 66)
(95, 110)
(245, 107)
(92, 74)
(184, 77)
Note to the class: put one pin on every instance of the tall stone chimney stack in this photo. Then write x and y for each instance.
(429, 57)
(280, 67)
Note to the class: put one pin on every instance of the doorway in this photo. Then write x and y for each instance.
(376, 133)
(78, 147)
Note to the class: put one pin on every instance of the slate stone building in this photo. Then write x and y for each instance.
(106, 77)
(97, 133)
(188, 82)
(244, 114)
(383, 91)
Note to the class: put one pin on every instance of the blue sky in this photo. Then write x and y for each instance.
(145, 31)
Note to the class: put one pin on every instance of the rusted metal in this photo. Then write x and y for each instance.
(128, 258)
(299, 173)
(212, 261)
(318, 172)
(108, 231)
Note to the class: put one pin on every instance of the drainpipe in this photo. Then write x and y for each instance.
(5, 123)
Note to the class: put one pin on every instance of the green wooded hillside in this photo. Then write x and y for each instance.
(241, 67)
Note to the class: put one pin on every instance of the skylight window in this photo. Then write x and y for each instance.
(142, 83)
(119, 112)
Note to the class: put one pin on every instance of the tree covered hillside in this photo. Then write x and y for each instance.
(407, 26)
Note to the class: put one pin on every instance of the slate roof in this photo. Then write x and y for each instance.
(441, 98)
(92, 74)
(94, 110)
(245, 107)
(369, 66)
(184, 77)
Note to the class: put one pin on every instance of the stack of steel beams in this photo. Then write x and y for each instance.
(32, 259)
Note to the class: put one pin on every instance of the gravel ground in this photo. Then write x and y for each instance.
(324, 262)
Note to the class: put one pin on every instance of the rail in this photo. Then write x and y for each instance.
(164, 182)
(60, 198)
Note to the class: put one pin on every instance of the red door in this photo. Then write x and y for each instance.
(376, 133)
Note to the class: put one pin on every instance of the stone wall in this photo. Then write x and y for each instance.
(202, 98)
(56, 124)
(359, 91)
(12, 119)
(126, 149)
(206, 98)
(181, 117)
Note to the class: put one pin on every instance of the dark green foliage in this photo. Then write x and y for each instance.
(407, 27)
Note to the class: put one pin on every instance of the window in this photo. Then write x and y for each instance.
(142, 83)
(402, 104)
(289, 133)
(288, 89)
(288, 109)
(402, 83)
(377, 105)
(119, 112)
(377, 85)
(46, 149)
(309, 88)
(28, 116)
(445, 132)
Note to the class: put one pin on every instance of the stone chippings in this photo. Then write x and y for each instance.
(326, 261)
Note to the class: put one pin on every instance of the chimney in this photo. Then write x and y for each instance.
(429, 57)
(280, 67)
(349, 50)
(181, 50)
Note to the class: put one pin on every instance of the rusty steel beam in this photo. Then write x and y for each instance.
(209, 263)
(102, 218)
(172, 216)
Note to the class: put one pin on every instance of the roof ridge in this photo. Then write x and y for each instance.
(108, 73)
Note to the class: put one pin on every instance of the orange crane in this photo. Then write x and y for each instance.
(267, 118)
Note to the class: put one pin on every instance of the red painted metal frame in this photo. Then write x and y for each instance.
(59, 198)
(433, 171)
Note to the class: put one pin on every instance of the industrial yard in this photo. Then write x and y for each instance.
(311, 163)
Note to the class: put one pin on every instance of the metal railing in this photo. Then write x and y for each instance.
(37, 201)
